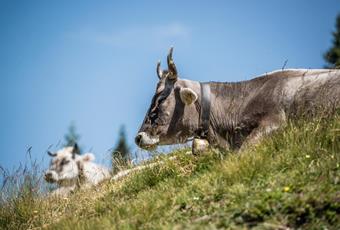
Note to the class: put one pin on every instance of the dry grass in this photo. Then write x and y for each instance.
(290, 180)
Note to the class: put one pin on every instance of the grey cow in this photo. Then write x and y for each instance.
(233, 115)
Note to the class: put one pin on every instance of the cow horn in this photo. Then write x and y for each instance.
(171, 65)
(51, 154)
(159, 70)
(76, 149)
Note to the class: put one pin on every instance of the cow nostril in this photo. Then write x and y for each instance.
(48, 174)
(138, 139)
(49, 177)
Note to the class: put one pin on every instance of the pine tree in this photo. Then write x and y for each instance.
(332, 56)
(71, 137)
(120, 154)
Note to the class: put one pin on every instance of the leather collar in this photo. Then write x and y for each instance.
(204, 120)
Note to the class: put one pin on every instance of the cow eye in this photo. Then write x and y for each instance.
(64, 162)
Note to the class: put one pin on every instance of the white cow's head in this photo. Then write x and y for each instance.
(66, 165)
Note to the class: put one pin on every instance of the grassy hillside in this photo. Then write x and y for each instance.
(290, 180)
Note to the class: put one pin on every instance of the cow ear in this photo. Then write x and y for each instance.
(88, 157)
(188, 96)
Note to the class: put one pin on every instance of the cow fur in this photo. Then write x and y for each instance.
(241, 112)
(71, 171)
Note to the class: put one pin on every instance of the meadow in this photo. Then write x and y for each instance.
(290, 180)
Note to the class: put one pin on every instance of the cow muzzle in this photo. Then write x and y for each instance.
(145, 141)
(51, 176)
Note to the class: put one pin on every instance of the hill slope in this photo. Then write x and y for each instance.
(290, 180)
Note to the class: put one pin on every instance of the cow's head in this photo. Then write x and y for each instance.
(172, 117)
(66, 164)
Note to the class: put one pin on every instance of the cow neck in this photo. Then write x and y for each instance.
(67, 182)
(205, 108)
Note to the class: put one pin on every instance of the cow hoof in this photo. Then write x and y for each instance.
(199, 146)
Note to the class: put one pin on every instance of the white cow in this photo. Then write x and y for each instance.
(70, 171)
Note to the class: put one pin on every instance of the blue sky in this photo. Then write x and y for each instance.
(93, 62)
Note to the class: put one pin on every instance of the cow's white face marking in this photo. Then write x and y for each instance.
(148, 141)
(188, 96)
(64, 165)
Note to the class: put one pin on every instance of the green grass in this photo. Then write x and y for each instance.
(289, 180)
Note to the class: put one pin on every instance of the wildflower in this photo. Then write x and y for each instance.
(195, 198)
(35, 211)
(307, 156)
(286, 189)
